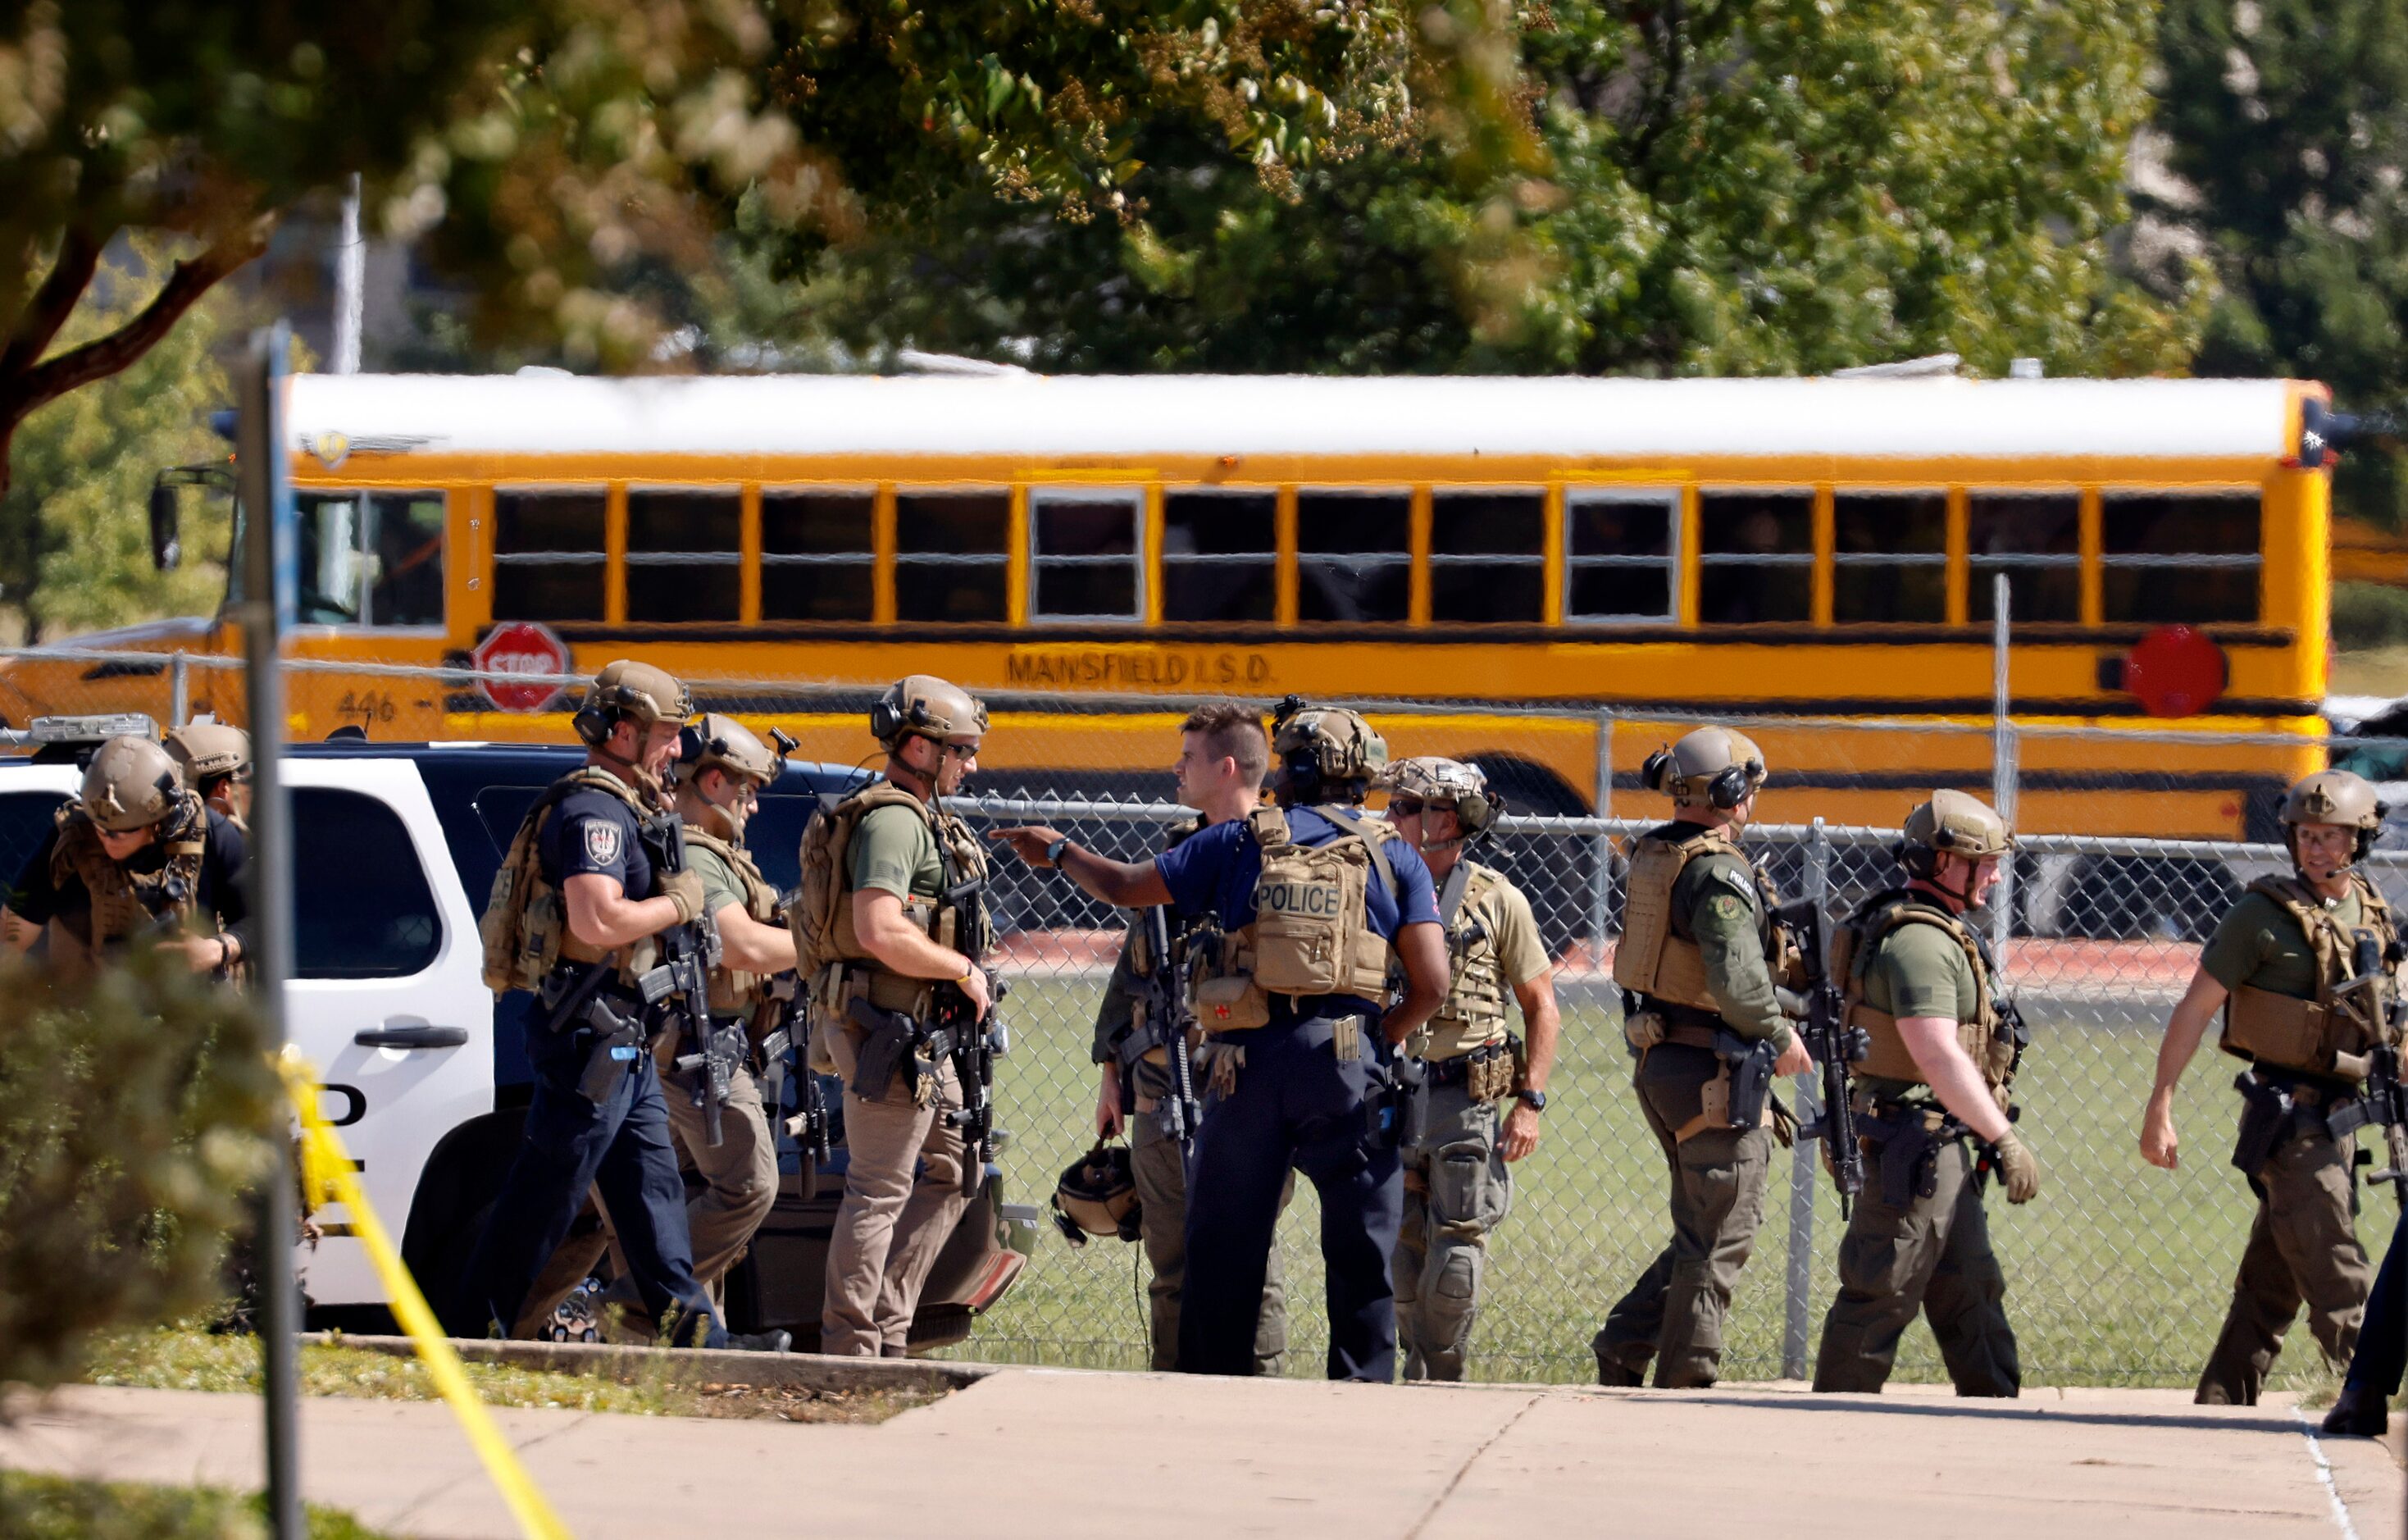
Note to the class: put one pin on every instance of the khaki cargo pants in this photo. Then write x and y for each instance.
(740, 1183)
(2303, 1249)
(1930, 1255)
(890, 1225)
(1458, 1190)
(1674, 1313)
(1161, 1174)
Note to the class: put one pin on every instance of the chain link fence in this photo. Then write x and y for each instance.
(2117, 1275)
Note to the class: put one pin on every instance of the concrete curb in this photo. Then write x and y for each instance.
(694, 1366)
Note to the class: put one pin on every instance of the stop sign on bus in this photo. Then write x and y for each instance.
(521, 647)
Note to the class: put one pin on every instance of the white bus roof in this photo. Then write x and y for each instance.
(1187, 415)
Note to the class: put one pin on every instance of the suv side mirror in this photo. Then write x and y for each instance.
(167, 549)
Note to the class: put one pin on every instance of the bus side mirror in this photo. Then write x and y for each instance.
(167, 550)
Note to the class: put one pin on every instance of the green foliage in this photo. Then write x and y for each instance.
(1718, 189)
(2285, 124)
(58, 1508)
(135, 1110)
(74, 543)
(2369, 614)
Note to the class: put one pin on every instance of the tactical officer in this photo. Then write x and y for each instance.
(720, 769)
(1922, 986)
(1223, 758)
(1309, 898)
(1700, 954)
(890, 928)
(135, 854)
(1457, 1188)
(565, 921)
(2302, 967)
(215, 759)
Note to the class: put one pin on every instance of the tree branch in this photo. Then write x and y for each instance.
(187, 282)
(53, 303)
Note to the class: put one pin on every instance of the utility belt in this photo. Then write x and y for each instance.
(2274, 1105)
(894, 1044)
(840, 984)
(1739, 1096)
(1905, 1137)
(619, 1017)
(1491, 1072)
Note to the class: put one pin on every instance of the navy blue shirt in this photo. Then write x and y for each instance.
(593, 833)
(1214, 872)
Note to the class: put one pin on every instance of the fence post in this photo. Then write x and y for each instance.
(1805, 1158)
(2005, 752)
(179, 689)
(1600, 882)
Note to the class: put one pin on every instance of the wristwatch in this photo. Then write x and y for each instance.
(1054, 852)
(1535, 1100)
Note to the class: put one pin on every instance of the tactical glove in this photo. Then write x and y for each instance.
(685, 889)
(2017, 1169)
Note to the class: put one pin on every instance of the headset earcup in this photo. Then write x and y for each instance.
(1730, 788)
(1651, 770)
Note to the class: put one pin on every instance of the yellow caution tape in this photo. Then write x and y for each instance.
(327, 1174)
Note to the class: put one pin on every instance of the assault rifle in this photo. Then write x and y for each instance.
(2382, 1100)
(680, 984)
(788, 1013)
(1835, 1047)
(1165, 1017)
(975, 1044)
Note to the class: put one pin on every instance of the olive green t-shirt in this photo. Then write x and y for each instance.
(1716, 902)
(721, 885)
(2260, 945)
(894, 851)
(1919, 970)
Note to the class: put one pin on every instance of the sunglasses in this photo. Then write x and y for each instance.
(958, 751)
(1412, 807)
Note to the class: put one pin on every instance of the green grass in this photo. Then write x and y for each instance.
(185, 1358)
(2118, 1273)
(55, 1507)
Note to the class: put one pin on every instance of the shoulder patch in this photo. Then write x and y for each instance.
(601, 840)
(1725, 907)
(1738, 881)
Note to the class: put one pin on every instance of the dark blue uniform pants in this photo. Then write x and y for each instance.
(1295, 1105)
(2381, 1352)
(622, 1145)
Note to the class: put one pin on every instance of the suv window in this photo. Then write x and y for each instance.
(25, 819)
(361, 905)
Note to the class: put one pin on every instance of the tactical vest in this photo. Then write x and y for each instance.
(526, 923)
(734, 991)
(1312, 931)
(1474, 1014)
(828, 951)
(2305, 1034)
(122, 902)
(1652, 959)
(1853, 951)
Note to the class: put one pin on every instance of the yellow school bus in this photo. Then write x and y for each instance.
(1727, 549)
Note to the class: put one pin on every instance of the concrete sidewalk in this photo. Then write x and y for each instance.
(1064, 1453)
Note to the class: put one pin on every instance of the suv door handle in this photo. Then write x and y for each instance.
(411, 1037)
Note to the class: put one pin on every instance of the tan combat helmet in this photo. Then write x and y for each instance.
(1327, 745)
(1712, 766)
(928, 706)
(2333, 797)
(1447, 781)
(131, 784)
(721, 742)
(1961, 825)
(1098, 1196)
(632, 691)
(205, 751)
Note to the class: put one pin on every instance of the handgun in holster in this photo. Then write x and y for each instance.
(617, 1042)
(888, 1049)
(1751, 1075)
(1909, 1153)
(2265, 1116)
(1410, 1080)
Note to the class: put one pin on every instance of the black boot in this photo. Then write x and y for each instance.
(2358, 1413)
(759, 1342)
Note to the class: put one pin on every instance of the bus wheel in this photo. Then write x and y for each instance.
(2139, 897)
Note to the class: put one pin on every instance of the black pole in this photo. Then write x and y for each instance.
(266, 502)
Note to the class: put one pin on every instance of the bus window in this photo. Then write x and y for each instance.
(1621, 553)
(685, 554)
(818, 554)
(1084, 553)
(371, 558)
(1220, 556)
(549, 562)
(951, 552)
(2035, 538)
(1757, 556)
(1889, 557)
(2179, 556)
(1488, 556)
(1354, 555)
